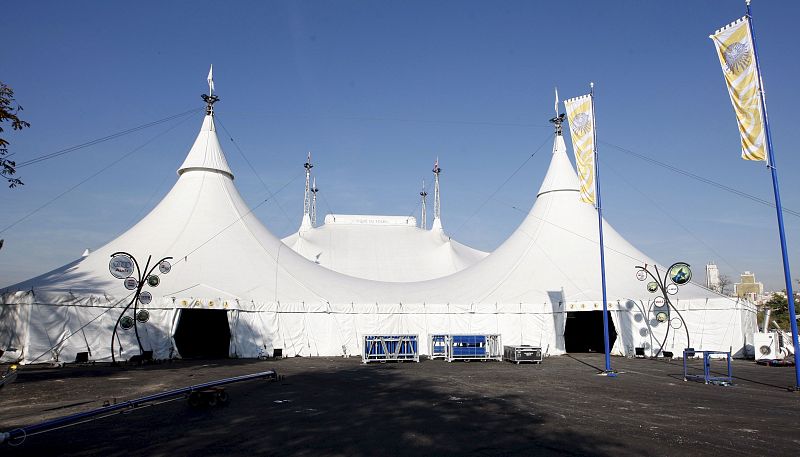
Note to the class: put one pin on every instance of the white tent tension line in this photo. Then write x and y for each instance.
(400, 279)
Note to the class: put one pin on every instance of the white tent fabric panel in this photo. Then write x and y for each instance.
(313, 332)
(382, 251)
(157, 333)
(14, 325)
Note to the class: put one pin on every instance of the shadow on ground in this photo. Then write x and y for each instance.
(357, 411)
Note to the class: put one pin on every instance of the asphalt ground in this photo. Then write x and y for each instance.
(339, 407)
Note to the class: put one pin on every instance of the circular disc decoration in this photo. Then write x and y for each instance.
(662, 316)
(126, 322)
(652, 286)
(641, 275)
(145, 297)
(659, 301)
(164, 267)
(672, 289)
(120, 266)
(676, 323)
(131, 283)
(680, 273)
(143, 315)
(153, 281)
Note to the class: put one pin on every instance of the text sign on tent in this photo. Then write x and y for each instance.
(131, 283)
(641, 275)
(145, 298)
(120, 266)
(659, 301)
(672, 289)
(164, 267)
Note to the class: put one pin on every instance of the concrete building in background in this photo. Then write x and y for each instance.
(748, 287)
(712, 277)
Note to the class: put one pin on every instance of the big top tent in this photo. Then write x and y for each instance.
(235, 283)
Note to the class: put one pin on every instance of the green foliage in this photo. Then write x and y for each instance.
(8, 113)
(780, 308)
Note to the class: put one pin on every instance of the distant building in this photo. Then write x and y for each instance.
(748, 288)
(712, 277)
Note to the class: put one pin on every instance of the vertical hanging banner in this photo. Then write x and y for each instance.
(581, 128)
(736, 54)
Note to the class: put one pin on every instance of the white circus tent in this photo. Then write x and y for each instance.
(269, 296)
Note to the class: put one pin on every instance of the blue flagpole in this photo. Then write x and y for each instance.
(608, 371)
(779, 209)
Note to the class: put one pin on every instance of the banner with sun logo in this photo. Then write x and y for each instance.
(734, 45)
(581, 128)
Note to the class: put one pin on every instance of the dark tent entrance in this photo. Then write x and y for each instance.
(203, 334)
(584, 332)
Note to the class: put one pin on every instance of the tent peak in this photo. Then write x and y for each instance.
(206, 153)
(560, 175)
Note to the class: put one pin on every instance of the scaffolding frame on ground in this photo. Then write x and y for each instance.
(472, 347)
(390, 348)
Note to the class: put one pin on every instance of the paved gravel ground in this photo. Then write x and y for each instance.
(339, 407)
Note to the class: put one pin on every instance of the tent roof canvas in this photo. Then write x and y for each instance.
(220, 247)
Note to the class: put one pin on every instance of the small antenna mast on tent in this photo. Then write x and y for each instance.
(314, 190)
(437, 205)
(423, 219)
(307, 197)
(210, 99)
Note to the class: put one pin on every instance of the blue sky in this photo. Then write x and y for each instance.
(378, 90)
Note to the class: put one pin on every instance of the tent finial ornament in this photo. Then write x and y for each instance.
(210, 98)
(557, 121)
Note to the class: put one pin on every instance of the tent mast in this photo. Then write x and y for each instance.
(306, 222)
(314, 190)
(437, 205)
(423, 219)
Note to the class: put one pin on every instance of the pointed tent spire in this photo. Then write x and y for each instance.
(560, 175)
(206, 153)
(437, 205)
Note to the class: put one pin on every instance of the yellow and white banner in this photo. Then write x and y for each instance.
(581, 128)
(737, 56)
